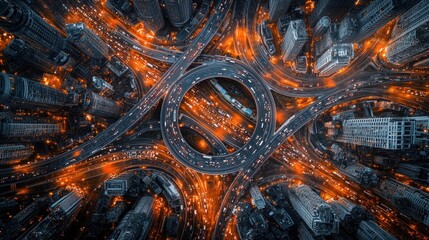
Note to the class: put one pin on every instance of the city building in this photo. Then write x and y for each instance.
(28, 128)
(25, 93)
(314, 211)
(20, 20)
(294, 40)
(370, 230)
(97, 105)
(278, 8)
(282, 218)
(67, 204)
(169, 190)
(327, 40)
(87, 41)
(101, 85)
(377, 14)
(267, 38)
(21, 56)
(335, 58)
(334, 9)
(348, 28)
(179, 12)
(361, 174)
(410, 47)
(413, 171)
(392, 133)
(136, 223)
(283, 24)
(321, 26)
(410, 20)
(15, 152)
(408, 200)
(119, 185)
(149, 11)
(299, 65)
(257, 197)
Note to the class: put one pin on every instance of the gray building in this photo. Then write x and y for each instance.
(411, 19)
(97, 105)
(333, 8)
(179, 12)
(335, 58)
(294, 40)
(328, 39)
(348, 28)
(257, 197)
(278, 8)
(67, 204)
(370, 230)
(149, 11)
(361, 174)
(136, 223)
(378, 13)
(20, 56)
(28, 128)
(392, 133)
(314, 211)
(408, 200)
(413, 171)
(410, 47)
(15, 152)
(87, 41)
(25, 93)
(20, 20)
(321, 26)
(119, 185)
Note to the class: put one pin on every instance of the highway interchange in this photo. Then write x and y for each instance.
(255, 72)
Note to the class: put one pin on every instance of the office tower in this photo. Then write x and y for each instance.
(413, 171)
(25, 93)
(327, 40)
(332, 8)
(20, 20)
(101, 85)
(178, 11)
(135, 224)
(377, 14)
(294, 40)
(335, 58)
(149, 11)
(315, 212)
(392, 133)
(321, 26)
(410, 47)
(411, 19)
(361, 174)
(370, 230)
(87, 41)
(28, 128)
(278, 8)
(355, 220)
(408, 200)
(15, 152)
(348, 28)
(100, 106)
(300, 64)
(119, 185)
(267, 37)
(257, 197)
(19, 55)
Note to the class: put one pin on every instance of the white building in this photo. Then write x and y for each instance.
(335, 58)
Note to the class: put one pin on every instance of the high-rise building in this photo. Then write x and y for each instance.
(321, 26)
(328, 39)
(410, 47)
(377, 14)
(135, 224)
(20, 20)
(119, 185)
(28, 128)
(278, 8)
(87, 41)
(333, 8)
(348, 28)
(25, 93)
(178, 11)
(100, 106)
(294, 40)
(370, 230)
(335, 58)
(149, 11)
(413, 171)
(392, 133)
(315, 212)
(257, 197)
(20, 56)
(408, 200)
(411, 19)
(67, 204)
(361, 174)
(101, 85)
(15, 152)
